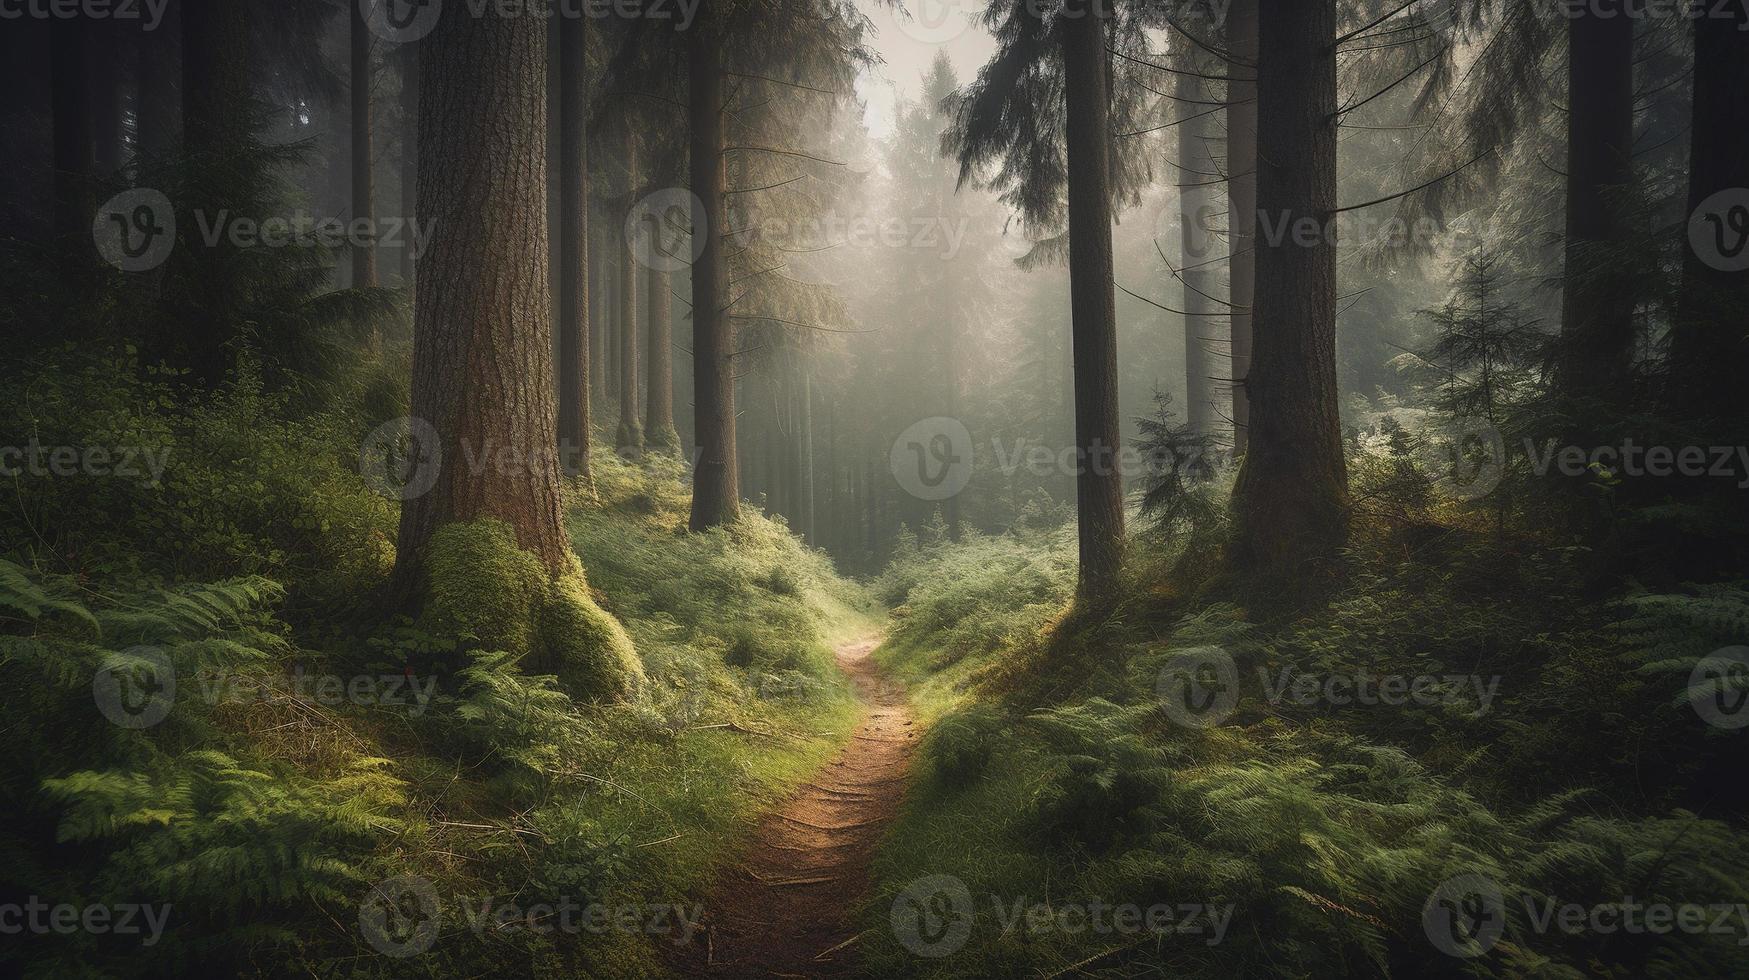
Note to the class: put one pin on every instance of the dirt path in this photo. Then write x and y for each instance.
(784, 910)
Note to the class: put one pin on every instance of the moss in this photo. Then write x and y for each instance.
(629, 438)
(483, 588)
(585, 645)
(662, 439)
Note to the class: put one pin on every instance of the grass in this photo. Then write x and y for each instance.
(500, 793)
(1295, 840)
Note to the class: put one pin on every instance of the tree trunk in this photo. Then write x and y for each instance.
(215, 120)
(829, 534)
(1709, 349)
(1597, 325)
(105, 51)
(573, 248)
(1194, 199)
(409, 159)
(950, 363)
(1241, 207)
(612, 333)
(1290, 503)
(215, 77)
(1093, 328)
(629, 439)
(364, 257)
(70, 85)
(715, 483)
(659, 431)
(599, 317)
(805, 455)
(482, 362)
(157, 123)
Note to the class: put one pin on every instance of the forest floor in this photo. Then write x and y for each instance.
(787, 908)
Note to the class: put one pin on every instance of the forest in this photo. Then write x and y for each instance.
(875, 488)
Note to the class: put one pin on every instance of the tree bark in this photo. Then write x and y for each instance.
(214, 77)
(409, 159)
(1093, 316)
(1290, 502)
(1709, 349)
(805, 455)
(629, 438)
(573, 178)
(157, 122)
(659, 394)
(215, 121)
(1597, 325)
(364, 257)
(599, 317)
(71, 128)
(482, 361)
(1198, 278)
(950, 364)
(1241, 207)
(715, 482)
(105, 51)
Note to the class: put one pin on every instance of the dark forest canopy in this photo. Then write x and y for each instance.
(875, 488)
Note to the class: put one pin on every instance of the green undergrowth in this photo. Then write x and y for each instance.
(960, 608)
(268, 804)
(1298, 839)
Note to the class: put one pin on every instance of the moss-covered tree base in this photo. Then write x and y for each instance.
(629, 438)
(661, 439)
(481, 587)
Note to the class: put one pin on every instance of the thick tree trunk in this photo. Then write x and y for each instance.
(157, 121)
(715, 483)
(1194, 199)
(659, 431)
(1597, 324)
(215, 98)
(573, 249)
(107, 97)
(1241, 207)
(364, 257)
(1098, 484)
(409, 159)
(70, 87)
(1290, 503)
(216, 108)
(482, 361)
(629, 438)
(1709, 345)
